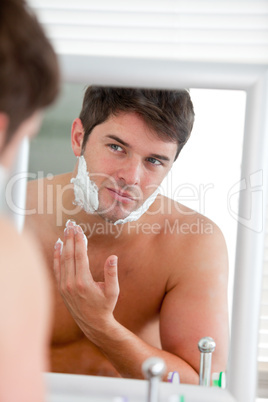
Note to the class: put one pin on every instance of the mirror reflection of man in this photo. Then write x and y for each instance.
(146, 284)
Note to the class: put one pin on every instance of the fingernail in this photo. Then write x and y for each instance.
(113, 261)
(78, 229)
(70, 222)
(66, 231)
(59, 245)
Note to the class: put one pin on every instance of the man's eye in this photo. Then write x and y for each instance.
(154, 161)
(115, 147)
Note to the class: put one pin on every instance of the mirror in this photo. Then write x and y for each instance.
(203, 177)
(216, 140)
(249, 78)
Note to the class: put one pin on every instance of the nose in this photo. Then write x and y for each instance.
(130, 172)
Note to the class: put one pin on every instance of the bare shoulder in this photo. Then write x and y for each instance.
(193, 243)
(41, 198)
(36, 205)
(40, 188)
(180, 222)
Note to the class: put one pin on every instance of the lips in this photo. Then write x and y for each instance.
(121, 195)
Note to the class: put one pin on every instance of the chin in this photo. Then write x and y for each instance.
(114, 214)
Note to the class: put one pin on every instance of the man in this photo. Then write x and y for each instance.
(146, 284)
(29, 81)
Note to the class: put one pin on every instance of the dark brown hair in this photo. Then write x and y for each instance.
(169, 113)
(29, 72)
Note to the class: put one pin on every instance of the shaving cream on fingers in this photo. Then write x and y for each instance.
(59, 241)
(71, 222)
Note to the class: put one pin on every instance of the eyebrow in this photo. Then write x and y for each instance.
(156, 156)
(161, 157)
(114, 137)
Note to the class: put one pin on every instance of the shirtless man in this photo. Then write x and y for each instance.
(146, 284)
(29, 81)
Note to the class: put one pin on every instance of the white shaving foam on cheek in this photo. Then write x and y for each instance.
(135, 215)
(85, 190)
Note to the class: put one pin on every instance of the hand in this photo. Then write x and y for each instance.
(90, 303)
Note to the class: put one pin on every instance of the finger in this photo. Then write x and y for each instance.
(81, 258)
(111, 278)
(68, 258)
(57, 257)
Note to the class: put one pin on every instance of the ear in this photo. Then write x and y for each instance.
(77, 136)
(4, 121)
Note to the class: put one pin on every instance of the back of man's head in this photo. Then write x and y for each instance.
(168, 112)
(29, 72)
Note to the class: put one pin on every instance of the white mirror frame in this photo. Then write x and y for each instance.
(158, 73)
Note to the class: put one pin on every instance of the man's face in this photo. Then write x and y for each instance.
(127, 161)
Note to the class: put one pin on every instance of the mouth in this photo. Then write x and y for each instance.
(122, 196)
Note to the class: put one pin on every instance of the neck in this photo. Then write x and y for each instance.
(98, 229)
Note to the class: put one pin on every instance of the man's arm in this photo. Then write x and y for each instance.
(196, 302)
(92, 304)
